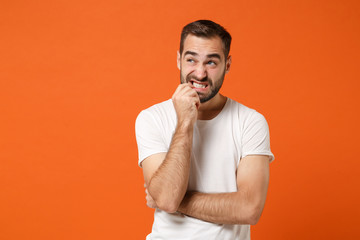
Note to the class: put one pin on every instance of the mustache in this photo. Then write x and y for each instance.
(189, 77)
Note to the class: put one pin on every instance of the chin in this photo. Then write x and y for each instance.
(205, 99)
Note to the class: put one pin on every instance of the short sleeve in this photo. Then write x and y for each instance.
(256, 137)
(148, 136)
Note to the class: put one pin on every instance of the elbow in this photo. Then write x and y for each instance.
(169, 206)
(253, 220)
(163, 201)
(248, 214)
(254, 215)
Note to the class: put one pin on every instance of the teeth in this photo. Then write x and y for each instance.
(198, 85)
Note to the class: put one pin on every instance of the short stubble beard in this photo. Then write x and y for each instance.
(214, 89)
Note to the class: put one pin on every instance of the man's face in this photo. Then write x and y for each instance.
(203, 64)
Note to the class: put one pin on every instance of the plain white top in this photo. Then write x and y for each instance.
(218, 146)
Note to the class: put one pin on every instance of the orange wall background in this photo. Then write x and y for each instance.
(75, 74)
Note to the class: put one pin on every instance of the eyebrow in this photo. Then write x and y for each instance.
(213, 55)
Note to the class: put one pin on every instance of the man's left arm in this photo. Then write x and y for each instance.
(242, 207)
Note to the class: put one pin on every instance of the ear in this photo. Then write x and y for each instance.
(228, 64)
(178, 59)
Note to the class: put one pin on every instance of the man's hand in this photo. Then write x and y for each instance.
(149, 200)
(186, 102)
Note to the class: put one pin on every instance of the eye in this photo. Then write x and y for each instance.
(212, 63)
(190, 60)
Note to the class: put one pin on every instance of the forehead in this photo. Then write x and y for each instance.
(204, 46)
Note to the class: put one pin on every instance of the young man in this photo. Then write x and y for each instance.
(205, 157)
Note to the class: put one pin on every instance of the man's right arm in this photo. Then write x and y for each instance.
(166, 174)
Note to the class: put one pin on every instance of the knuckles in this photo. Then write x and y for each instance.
(186, 101)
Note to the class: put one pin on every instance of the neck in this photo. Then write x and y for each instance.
(210, 109)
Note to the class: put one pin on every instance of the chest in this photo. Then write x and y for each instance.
(215, 157)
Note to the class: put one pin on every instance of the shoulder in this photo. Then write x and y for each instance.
(244, 113)
(157, 110)
(159, 115)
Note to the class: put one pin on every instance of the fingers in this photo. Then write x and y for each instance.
(186, 102)
(185, 89)
(149, 200)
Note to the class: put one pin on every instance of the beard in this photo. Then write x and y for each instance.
(214, 86)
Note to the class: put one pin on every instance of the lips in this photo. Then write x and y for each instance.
(199, 85)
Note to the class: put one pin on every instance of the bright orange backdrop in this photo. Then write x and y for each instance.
(75, 74)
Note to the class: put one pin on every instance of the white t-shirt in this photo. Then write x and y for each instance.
(218, 146)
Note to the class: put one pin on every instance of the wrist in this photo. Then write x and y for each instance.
(185, 126)
(184, 205)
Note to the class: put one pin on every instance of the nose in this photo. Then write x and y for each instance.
(200, 72)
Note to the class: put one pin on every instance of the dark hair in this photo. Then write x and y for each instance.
(206, 29)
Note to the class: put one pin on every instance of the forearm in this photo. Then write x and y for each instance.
(242, 207)
(169, 183)
(221, 208)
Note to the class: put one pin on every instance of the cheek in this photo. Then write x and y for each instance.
(215, 73)
(186, 70)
